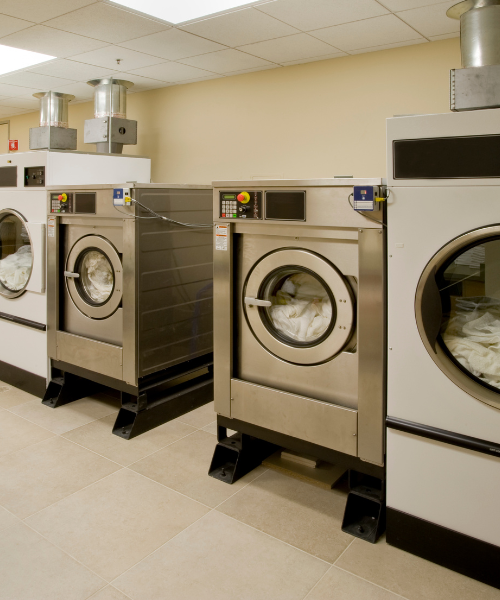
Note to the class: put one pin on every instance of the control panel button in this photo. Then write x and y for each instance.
(63, 197)
(243, 197)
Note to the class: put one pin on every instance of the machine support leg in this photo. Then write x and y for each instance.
(364, 515)
(146, 411)
(237, 455)
(68, 388)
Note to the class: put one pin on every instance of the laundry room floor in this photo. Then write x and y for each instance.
(85, 514)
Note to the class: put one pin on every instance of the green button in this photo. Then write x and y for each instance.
(234, 216)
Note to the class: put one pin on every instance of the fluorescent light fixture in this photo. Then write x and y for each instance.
(13, 59)
(178, 11)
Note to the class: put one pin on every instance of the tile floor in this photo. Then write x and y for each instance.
(87, 515)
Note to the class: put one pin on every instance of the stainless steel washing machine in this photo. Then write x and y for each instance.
(299, 287)
(129, 286)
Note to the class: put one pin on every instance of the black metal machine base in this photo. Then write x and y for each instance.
(159, 398)
(66, 388)
(140, 414)
(237, 455)
(451, 549)
(364, 515)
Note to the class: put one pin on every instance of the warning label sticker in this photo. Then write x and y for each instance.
(221, 237)
(51, 229)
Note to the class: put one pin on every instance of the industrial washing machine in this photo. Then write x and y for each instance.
(24, 178)
(443, 441)
(130, 298)
(299, 314)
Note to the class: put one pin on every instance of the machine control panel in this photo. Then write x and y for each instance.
(240, 205)
(61, 203)
(34, 176)
(367, 198)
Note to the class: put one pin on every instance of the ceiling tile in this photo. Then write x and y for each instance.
(397, 5)
(241, 27)
(50, 41)
(315, 59)
(445, 36)
(25, 103)
(140, 83)
(80, 90)
(105, 22)
(314, 14)
(10, 25)
(40, 10)
(387, 29)
(172, 72)
(245, 71)
(27, 79)
(431, 20)
(173, 44)
(389, 46)
(15, 90)
(226, 61)
(70, 69)
(198, 79)
(7, 111)
(292, 47)
(107, 57)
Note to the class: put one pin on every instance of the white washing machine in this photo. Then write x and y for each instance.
(443, 439)
(24, 178)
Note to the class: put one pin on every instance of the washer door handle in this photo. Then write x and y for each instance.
(257, 302)
(72, 275)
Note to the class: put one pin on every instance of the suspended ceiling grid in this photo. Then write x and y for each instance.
(93, 39)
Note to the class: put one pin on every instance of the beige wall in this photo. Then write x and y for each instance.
(313, 120)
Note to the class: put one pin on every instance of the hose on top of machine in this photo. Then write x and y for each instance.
(157, 216)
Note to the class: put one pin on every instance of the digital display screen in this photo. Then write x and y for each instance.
(85, 202)
(229, 197)
(286, 206)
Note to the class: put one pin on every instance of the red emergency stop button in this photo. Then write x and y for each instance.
(244, 197)
(62, 197)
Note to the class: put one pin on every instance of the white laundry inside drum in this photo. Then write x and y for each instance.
(302, 309)
(472, 335)
(15, 269)
(96, 276)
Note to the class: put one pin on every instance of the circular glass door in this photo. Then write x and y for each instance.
(458, 312)
(299, 306)
(94, 277)
(16, 256)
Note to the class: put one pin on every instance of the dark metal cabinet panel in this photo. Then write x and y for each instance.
(175, 264)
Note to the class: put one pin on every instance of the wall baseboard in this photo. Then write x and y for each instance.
(24, 380)
(451, 549)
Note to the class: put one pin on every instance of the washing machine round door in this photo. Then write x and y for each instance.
(94, 277)
(16, 256)
(299, 306)
(457, 308)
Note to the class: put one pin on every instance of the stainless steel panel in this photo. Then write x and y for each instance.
(52, 138)
(108, 330)
(372, 345)
(130, 282)
(110, 97)
(479, 26)
(317, 422)
(475, 88)
(54, 109)
(90, 354)
(53, 308)
(223, 326)
(294, 183)
(325, 206)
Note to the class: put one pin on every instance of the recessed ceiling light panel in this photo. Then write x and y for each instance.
(13, 59)
(179, 11)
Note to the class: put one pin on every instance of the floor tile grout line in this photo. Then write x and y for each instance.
(70, 555)
(158, 549)
(26, 447)
(69, 495)
(344, 551)
(371, 582)
(278, 540)
(318, 582)
(242, 488)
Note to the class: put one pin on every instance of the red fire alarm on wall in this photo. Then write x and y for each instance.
(13, 145)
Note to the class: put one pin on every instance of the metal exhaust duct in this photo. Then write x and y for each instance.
(53, 133)
(110, 129)
(477, 84)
